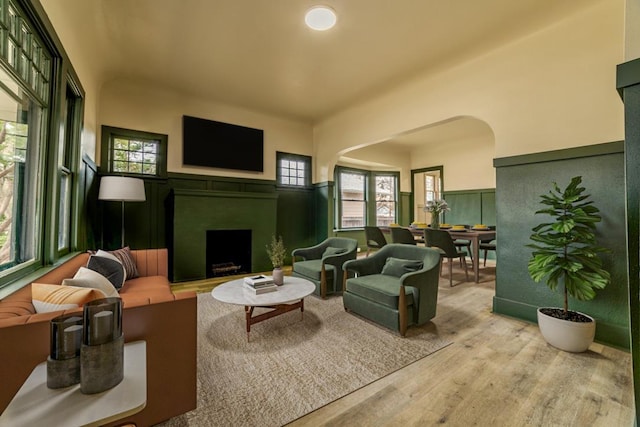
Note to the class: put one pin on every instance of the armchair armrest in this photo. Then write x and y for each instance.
(312, 252)
(365, 266)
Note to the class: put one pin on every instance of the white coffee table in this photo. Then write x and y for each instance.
(290, 296)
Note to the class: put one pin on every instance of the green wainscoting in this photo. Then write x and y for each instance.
(151, 224)
(471, 207)
(519, 183)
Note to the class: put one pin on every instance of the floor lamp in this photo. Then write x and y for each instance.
(121, 189)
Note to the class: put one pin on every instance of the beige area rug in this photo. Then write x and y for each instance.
(292, 365)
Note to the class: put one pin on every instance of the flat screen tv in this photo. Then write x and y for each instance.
(221, 145)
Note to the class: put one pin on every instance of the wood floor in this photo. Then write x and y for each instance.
(498, 372)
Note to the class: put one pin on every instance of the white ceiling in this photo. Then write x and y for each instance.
(258, 54)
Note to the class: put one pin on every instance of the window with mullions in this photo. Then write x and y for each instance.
(293, 170)
(132, 152)
(21, 131)
(365, 197)
(386, 203)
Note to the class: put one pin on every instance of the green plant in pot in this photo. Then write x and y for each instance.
(277, 252)
(566, 255)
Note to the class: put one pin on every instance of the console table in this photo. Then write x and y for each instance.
(37, 405)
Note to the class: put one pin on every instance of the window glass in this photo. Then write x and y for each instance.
(293, 170)
(385, 199)
(352, 197)
(134, 152)
(20, 175)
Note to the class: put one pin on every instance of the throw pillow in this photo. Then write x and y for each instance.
(47, 298)
(112, 270)
(125, 257)
(398, 266)
(333, 251)
(88, 278)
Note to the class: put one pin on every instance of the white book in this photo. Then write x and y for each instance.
(258, 280)
(262, 289)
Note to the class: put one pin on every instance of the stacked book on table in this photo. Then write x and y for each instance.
(260, 284)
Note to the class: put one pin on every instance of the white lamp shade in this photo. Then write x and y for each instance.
(121, 189)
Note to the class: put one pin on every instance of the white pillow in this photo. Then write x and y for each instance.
(87, 278)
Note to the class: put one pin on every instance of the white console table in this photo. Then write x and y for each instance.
(37, 405)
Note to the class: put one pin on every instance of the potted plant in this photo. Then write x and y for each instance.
(276, 252)
(566, 254)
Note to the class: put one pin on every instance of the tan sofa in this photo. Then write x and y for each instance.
(166, 321)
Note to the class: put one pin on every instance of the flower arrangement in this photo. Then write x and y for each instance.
(435, 208)
(276, 251)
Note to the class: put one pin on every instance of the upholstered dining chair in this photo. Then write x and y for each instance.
(442, 240)
(374, 237)
(395, 287)
(402, 235)
(322, 264)
(464, 243)
(487, 245)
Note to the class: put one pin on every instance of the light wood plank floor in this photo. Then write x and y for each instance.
(498, 372)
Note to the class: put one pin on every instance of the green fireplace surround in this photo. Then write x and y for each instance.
(194, 212)
(519, 182)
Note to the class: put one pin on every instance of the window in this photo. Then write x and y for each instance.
(356, 188)
(293, 170)
(431, 187)
(21, 156)
(65, 166)
(352, 199)
(385, 199)
(131, 152)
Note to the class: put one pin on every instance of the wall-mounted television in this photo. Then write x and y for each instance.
(221, 145)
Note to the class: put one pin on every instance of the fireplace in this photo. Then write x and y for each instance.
(228, 252)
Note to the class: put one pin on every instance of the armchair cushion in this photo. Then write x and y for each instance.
(312, 269)
(380, 288)
(398, 266)
(333, 251)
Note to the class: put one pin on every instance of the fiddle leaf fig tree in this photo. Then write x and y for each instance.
(565, 249)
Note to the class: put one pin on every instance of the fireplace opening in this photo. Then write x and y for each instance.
(228, 252)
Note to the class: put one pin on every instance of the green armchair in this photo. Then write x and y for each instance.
(395, 287)
(322, 263)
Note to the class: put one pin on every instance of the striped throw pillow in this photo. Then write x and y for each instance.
(125, 257)
(47, 298)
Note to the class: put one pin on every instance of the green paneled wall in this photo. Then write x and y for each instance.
(471, 207)
(519, 183)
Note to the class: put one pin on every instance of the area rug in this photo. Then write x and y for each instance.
(293, 363)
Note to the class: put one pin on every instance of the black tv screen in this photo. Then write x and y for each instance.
(221, 145)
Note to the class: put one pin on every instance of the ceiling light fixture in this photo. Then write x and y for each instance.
(320, 18)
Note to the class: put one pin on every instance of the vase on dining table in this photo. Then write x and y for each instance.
(435, 221)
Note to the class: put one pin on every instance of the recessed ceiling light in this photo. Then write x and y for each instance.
(320, 18)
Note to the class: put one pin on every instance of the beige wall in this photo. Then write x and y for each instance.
(553, 89)
(145, 107)
(632, 30)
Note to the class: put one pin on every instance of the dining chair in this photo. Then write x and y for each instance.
(487, 245)
(402, 235)
(442, 240)
(464, 243)
(374, 237)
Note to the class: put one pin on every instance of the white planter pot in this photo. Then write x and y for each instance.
(565, 335)
(278, 276)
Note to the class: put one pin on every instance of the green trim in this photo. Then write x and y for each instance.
(106, 149)
(227, 194)
(482, 190)
(627, 75)
(189, 176)
(563, 154)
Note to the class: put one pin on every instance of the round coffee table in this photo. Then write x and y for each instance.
(290, 296)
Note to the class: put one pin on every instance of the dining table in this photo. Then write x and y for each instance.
(473, 235)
